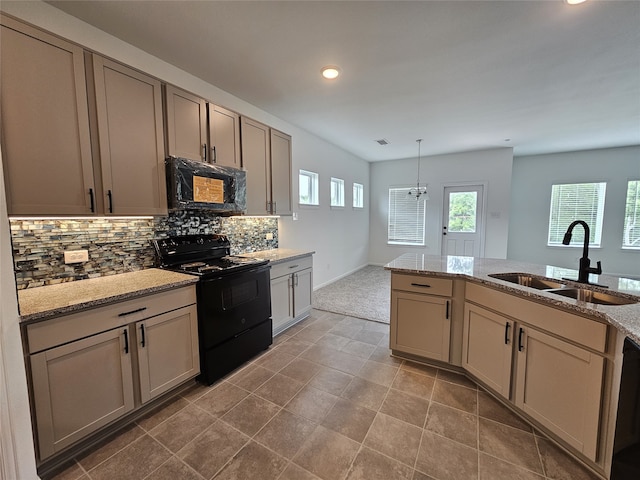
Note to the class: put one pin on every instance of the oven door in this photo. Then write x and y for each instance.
(230, 304)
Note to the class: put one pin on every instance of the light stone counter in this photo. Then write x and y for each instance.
(53, 300)
(625, 318)
(279, 255)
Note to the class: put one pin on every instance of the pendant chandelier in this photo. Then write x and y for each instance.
(419, 191)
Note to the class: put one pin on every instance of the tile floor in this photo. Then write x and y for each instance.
(327, 401)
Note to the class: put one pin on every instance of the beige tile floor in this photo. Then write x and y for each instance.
(327, 401)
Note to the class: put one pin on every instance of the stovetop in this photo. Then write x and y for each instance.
(201, 255)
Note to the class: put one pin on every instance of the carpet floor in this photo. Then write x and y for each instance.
(363, 294)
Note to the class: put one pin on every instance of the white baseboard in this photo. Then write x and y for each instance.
(316, 287)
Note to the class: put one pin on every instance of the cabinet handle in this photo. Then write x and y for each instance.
(93, 208)
(507, 327)
(274, 207)
(520, 345)
(142, 334)
(126, 341)
(447, 312)
(204, 152)
(214, 155)
(423, 285)
(110, 201)
(124, 314)
(295, 276)
(294, 266)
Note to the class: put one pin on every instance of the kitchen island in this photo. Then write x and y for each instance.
(554, 360)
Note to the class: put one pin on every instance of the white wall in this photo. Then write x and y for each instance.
(338, 237)
(530, 203)
(489, 167)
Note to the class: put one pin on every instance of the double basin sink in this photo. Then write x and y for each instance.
(552, 286)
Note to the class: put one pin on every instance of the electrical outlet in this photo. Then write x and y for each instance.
(269, 236)
(76, 256)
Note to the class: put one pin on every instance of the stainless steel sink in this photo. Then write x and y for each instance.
(539, 283)
(593, 296)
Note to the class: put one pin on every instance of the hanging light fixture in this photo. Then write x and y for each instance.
(419, 191)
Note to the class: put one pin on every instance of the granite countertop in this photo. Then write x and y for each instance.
(625, 318)
(69, 297)
(279, 255)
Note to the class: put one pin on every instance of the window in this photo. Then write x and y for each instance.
(337, 192)
(631, 235)
(576, 201)
(406, 218)
(462, 212)
(308, 191)
(358, 195)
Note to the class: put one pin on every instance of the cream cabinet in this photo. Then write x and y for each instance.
(488, 347)
(554, 358)
(199, 130)
(421, 315)
(130, 136)
(266, 156)
(291, 290)
(46, 145)
(91, 368)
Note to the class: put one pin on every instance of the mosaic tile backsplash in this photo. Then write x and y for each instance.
(119, 245)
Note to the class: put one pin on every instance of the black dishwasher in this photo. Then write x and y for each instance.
(626, 447)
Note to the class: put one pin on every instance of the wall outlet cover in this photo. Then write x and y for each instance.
(269, 236)
(76, 256)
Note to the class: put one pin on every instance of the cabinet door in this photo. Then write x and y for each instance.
(280, 173)
(560, 385)
(80, 387)
(255, 160)
(487, 348)
(420, 325)
(281, 302)
(167, 351)
(186, 125)
(224, 136)
(46, 146)
(129, 114)
(302, 291)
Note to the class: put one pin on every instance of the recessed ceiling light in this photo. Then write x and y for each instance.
(574, 2)
(330, 72)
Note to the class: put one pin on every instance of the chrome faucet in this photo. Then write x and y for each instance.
(585, 264)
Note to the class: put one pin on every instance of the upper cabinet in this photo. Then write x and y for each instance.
(131, 140)
(190, 119)
(266, 156)
(81, 135)
(186, 125)
(46, 146)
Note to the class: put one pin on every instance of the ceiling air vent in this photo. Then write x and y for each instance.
(383, 141)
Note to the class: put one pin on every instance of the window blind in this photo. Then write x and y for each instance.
(406, 218)
(631, 235)
(576, 201)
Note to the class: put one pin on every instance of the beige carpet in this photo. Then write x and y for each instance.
(363, 294)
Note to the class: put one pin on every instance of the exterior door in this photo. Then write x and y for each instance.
(463, 221)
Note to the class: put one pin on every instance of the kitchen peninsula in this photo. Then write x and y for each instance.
(514, 329)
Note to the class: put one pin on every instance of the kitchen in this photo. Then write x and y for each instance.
(336, 255)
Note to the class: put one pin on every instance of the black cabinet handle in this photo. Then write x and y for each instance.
(204, 152)
(126, 341)
(93, 208)
(110, 201)
(423, 285)
(142, 334)
(215, 154)
(447, 312)
(507, 327)
(520, 345)
(294, 266)
(124, 314)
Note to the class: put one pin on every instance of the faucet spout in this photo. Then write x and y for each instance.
(585, 264)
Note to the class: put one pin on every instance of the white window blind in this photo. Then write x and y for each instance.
(406, 218)
(576, 201)
(631, 235)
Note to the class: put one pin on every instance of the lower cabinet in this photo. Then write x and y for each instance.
(91, 368)
(487, 348)
(421, 316)
(291, 290)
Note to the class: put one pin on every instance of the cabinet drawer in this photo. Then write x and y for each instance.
(422, 284)
(291, 266)
(50, 333)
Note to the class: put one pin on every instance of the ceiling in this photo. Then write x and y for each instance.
(538, 76)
